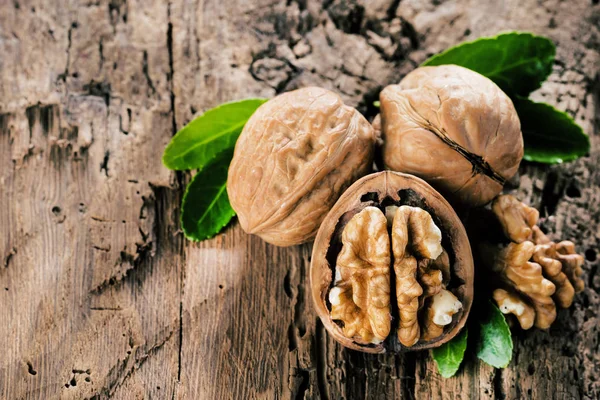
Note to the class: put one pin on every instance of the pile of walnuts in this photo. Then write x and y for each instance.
(392, 266)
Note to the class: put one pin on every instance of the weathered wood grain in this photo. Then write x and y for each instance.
(91, 262)
(102, 297)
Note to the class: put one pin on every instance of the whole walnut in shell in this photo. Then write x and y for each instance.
(294, 158)
(391, 267)
(453, 128)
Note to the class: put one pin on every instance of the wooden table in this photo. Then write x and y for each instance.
(100, 294)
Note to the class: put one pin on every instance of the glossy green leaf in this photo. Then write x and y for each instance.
(550, 136)
(209, 134)
(205, 208)
(495, 343)
(449, 356)
(518, 62)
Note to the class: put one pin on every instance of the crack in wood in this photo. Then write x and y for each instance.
(179, 178)
(9, 256)
(498, 385)
(63, 76)
(102, 90)
(104, 164)
(409, 380)
(126, 131)
(171, 73)
(100, 248)
(101, 54)
(146, 73)
(321, 358)
(125, 368)
(300, 373)
(136, 261)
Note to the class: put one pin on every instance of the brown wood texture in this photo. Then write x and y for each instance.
(100, 294)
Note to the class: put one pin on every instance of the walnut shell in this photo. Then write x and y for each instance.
(383, 190)
(295, 156)
(455, 129)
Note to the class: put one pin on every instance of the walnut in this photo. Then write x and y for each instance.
(444, 305)
(408, 291)
(546, 256)
(534, 274)
(431, 278)
(383, 222)
(361, 295)
(454, 128)
(537, 236)
(512, 265)
(439, 312)
(413, 227)
(516, 218)
(413, 234)
(295, 156)
(434, 276)
(513, 304)
(571, 263)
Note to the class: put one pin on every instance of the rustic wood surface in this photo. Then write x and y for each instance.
(101, 296)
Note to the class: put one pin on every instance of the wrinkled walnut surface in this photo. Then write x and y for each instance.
(517, 219)
(417, 253)
(455, 129)
(439, 312)
(511, 303)
(294, 158)
(414, 234)
(535, 274)
(512, 265)
(361, 295)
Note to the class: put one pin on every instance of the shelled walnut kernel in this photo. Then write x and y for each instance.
(360, 299)
(535, 274)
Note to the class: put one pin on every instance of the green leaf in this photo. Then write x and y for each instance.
(550, 136)
(495, 343)
(208, 135)
(518, 62)
(449, 355)
(205, 207)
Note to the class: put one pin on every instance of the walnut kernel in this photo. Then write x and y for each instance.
(533, 274)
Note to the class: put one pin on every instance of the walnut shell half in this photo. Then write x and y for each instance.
(295, 156)
(384, 284)
(454, 128)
